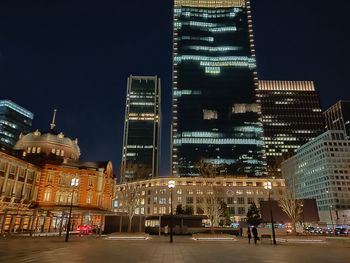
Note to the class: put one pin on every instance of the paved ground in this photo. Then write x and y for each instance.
(158, 249)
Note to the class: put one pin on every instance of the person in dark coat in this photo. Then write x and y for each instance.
(255, 234)
(249, 234)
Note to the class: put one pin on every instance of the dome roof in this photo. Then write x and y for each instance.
(49, 143)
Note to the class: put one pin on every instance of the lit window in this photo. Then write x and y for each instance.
(49, 178)
(210, 115)
(89, 199)
(90, 181)
(47, 195)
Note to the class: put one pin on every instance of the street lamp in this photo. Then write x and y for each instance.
(268, 187)
(74, 183)
(330, 213)
(171, 185)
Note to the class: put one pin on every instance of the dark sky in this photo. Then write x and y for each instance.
(76, 56)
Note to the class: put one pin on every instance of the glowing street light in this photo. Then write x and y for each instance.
(268, 187)
(74, 183)
(171, 185)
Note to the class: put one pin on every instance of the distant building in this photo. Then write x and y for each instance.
(337, 117)
(216, 115)
(237, 192)
(291, 116)
(14, 120)
(141, 144)
(321, 169)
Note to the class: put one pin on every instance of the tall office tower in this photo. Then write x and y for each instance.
(14, 120)
(141, 146)
(291, 115)
(215, 111)
(337, 117)
(320, 169)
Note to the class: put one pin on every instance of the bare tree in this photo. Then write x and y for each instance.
(292, 207)
(213, 203)
(213, 200)
(131, 200)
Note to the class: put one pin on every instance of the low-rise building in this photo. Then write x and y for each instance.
(236, 192)
(320, 170)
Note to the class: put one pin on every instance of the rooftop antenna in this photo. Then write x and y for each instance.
(52, 124)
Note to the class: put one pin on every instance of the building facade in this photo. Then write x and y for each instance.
(14, 120)
(337, 117)
(37, 190)
(291, 116)
(37, 198)
(215, 109)
(238, 193)
(320, 170)
(141, 143)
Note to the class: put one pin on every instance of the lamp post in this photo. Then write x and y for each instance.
(302, 207)
(74, 183)
(171, 185)
(330, 214)
(268, 187)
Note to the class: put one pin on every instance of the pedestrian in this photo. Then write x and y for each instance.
(255, 234)
(166, 230)
(249, 234)
(240, 231)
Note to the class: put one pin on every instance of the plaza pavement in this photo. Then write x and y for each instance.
(158, 249)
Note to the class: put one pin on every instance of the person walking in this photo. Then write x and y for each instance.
(255, 234)
(249, 234)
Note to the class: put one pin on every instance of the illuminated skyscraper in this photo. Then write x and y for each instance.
(215, 111)
(291, 115)
(337, 117)
(14, 120)
(141, 146)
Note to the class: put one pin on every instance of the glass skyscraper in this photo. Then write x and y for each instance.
(337, 117)
(14, 120)
(291, 116)
(141, 146)
(216, 114)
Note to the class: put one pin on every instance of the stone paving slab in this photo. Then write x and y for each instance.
(159, 249)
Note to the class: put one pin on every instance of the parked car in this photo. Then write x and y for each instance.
(86, 229)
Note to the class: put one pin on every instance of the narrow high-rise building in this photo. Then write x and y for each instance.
(291, 115)
(14, 120)
(215, 109)
(337, 117)
(141, 145)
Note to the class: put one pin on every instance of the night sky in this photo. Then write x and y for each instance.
(76, 56)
